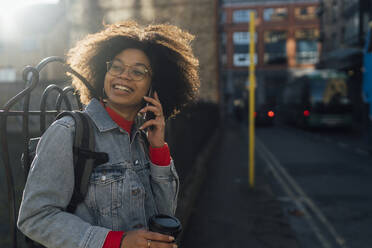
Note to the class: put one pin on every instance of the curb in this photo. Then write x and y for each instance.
(193, 182)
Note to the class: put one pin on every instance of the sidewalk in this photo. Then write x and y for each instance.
(227, 213)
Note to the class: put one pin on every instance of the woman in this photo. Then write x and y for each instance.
(133, 70)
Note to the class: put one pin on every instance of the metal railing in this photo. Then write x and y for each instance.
(31, 76)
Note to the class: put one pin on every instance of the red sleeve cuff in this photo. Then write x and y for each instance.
(160, 156)
(113, 239)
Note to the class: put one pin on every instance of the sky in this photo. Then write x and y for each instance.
(8, 9)
(10, 5)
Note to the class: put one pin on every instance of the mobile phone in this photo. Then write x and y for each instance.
(148, 115)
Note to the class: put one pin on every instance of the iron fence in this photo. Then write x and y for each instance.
(31, 76)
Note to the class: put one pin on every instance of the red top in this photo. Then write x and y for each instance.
(113, 239)
(159, 156)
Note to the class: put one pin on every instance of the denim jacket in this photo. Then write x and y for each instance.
(123, 193)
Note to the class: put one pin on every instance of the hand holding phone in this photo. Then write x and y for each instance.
(154, 109)
(149, 115)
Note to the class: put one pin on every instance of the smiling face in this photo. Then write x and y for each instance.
(124, 91)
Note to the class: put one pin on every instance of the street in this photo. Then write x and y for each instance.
(330, 177)
(320, 179)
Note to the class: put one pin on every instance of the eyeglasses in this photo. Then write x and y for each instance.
(135, 72)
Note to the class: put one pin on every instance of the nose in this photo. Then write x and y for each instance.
(126, 73)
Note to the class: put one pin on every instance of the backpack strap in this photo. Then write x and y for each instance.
(84, 156)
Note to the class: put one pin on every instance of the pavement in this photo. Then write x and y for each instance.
(227, 212)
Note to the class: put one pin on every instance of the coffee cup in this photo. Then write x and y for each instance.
(165, 224)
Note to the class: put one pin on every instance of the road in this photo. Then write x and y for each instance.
(324, 181)
(228, 212)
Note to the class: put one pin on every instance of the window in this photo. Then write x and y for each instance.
(305, 13)
(334, 12)
(317, 88)
(7, 74)
(243, 15)
(307, 46)
(342, 35)
(243, 59)
(369, 46)
(241, 42)
(223, 38)
(275, 47)
(350, 3)
(29, 44)
(275, 14)
(223, 48)
(351, 29)
(243, 38)
(335, 42)
(222, 17)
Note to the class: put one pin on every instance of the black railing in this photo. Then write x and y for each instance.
(31, 76)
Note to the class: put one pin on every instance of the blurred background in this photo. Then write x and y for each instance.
(293, 38)
(313, 63)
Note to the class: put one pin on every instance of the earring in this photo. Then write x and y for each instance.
(104, 93)
(104, 96)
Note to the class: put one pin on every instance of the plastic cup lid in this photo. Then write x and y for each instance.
(165, 222)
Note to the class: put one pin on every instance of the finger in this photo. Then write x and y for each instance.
(150, 123)
(156, 96)
(153, 109)
(159, 244)
(154, 236)
(152, 101)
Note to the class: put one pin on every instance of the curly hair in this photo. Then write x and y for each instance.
(174, 66)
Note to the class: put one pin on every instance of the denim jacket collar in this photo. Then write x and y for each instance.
(103, 120)
(100, 116)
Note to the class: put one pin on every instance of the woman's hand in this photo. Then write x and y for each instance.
(157, 132)
(146, 239)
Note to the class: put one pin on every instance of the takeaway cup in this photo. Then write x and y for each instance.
(165, 224)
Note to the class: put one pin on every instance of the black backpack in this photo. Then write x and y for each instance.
(84, 157)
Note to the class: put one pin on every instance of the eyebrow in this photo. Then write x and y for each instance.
(138, 63)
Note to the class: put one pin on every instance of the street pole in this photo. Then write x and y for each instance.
(252, 82)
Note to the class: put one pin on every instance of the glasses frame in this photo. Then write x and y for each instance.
(109, 65)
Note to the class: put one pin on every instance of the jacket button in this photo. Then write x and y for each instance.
(136, 162)
(138, 226)
(135, 191)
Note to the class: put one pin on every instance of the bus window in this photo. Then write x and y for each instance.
(317, 89)
(335, 87)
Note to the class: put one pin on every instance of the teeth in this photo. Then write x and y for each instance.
(121, 87)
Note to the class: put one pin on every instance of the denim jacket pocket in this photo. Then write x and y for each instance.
(106, 189)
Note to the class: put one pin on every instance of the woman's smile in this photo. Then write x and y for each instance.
(120, 88)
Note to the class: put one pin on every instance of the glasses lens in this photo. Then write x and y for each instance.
(137, 72)
(114, 68)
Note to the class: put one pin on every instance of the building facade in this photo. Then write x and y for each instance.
(344, 25)
(286, 44)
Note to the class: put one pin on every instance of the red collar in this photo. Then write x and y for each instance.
(119, 120)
